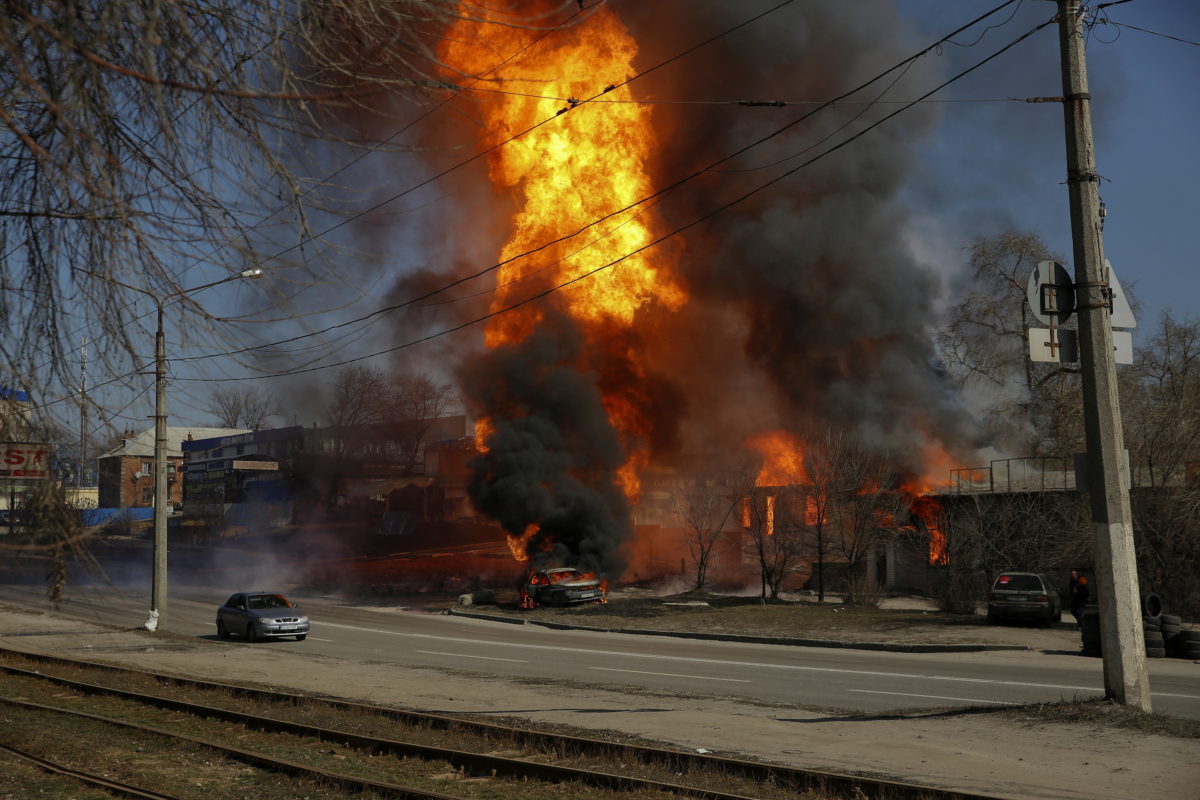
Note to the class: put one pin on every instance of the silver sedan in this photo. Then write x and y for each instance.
(260, 615)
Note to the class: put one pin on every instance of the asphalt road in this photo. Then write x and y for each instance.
(846, 680)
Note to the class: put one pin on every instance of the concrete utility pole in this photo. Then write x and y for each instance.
(158, 585)
(1108, 480)
(156, 619)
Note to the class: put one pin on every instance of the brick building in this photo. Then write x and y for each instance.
(126, 473)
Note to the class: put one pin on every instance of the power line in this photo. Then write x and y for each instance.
(697, 221)
(1143, 30)
(656, 194)
(479, 155)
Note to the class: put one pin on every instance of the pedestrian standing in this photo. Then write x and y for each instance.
(1079, 599)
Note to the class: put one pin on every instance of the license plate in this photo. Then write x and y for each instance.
(288, 630)
(588, 594)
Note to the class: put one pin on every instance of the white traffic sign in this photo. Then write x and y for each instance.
(1053, 345)
(1051, 293)
(1061, 346)
(1122, 314)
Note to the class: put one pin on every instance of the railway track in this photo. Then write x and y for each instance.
(541, 760)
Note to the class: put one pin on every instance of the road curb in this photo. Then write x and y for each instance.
(747, 639)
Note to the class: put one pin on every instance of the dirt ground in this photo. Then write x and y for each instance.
(994, 753)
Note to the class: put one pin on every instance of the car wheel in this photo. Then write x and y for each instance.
(992, 619)
(222, 631)
(300, 637)
(558, 599)
(1058, 615)
(251, 632)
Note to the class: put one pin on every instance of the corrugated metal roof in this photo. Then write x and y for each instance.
(142, 445)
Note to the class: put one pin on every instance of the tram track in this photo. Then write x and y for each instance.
(540, 761)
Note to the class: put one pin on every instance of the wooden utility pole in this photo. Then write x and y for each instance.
(1108, 479)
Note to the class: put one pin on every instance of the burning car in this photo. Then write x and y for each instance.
(561, 586)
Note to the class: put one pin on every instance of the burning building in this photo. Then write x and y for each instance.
(666, 282)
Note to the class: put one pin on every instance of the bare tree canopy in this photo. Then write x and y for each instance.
(139, 139)
(983, 345)
(702, 512)
(242, 408)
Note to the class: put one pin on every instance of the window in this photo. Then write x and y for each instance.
(148, 495)
(1019, 583)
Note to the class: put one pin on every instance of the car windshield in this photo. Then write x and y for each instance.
(569, 575)
(1019, 583)
(256, 601)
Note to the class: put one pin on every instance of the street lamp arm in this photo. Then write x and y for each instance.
(158, 586)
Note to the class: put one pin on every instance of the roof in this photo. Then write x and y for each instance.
(19, 395)
(142, 445)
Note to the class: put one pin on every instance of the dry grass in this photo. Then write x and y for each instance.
(1106, 713)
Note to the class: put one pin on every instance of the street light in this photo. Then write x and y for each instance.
(158, 587)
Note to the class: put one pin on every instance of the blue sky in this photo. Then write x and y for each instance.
(994, 165)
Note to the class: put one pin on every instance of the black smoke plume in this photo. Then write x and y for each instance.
(552, 455)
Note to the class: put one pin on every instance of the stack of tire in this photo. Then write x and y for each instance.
(1164, 633)
(1177, 642)
(1152, 625)
(1187, 645)
(1155, 641)
(1089, 630)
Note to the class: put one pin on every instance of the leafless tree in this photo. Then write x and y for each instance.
(1032, 408)
(357, 402)
(868, 511)
(1161, 406)
(139, 137)
(703, 512)
(242, 408)
(414, 402)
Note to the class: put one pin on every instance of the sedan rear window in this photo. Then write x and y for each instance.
(1020, 583)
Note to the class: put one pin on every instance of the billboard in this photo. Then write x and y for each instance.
(24, 460)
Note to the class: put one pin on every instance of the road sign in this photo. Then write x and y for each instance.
(1051, 293)
(1053, 345)
(1061, 346)
(1122, 314)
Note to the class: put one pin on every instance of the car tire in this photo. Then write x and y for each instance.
(1152, 605)
(1058, 615)
(222, 631)
(1156, 652)
(558, 599)
(251, 633)
(300, 637)
(1170, 619)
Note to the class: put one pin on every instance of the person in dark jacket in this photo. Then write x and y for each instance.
(1079, 599)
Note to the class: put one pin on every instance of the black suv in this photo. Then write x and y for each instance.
(1025, 596)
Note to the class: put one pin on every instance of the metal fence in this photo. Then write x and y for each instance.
(1042, 474)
